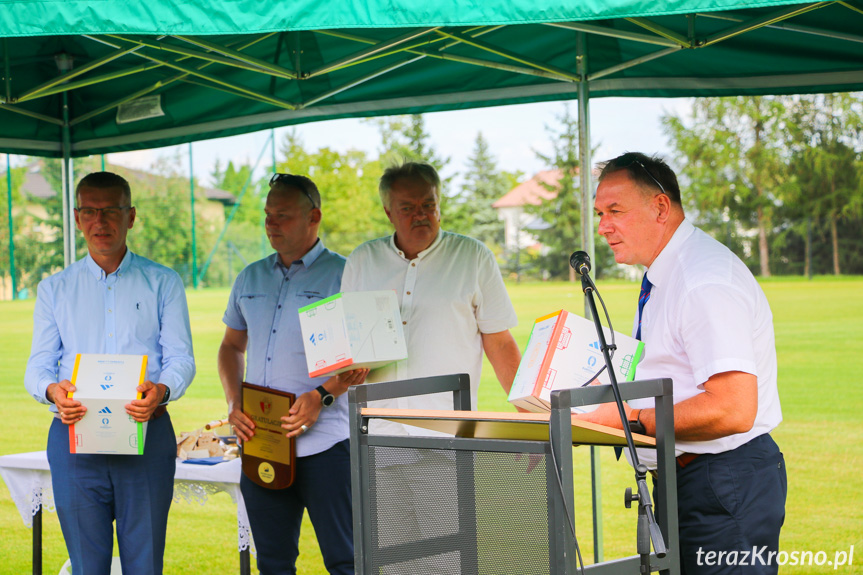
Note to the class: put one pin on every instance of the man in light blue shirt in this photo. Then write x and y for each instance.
(111, 302)
(263, 335)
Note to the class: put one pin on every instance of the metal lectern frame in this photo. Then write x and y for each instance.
(562, 559)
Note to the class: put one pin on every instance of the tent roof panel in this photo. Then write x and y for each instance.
(124, 86)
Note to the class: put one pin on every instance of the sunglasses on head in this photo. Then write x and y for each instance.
(634, 160)
(288, 179)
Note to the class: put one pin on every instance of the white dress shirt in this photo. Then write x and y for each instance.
(707, 315)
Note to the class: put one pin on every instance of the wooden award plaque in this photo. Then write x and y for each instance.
(269, 457)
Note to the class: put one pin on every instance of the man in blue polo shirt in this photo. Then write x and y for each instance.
(112, 301)
(263, 335)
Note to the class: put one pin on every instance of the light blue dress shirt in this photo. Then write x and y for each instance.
(139, 309)
(264, 303)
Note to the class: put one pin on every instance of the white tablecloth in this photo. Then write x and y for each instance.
(28, 478)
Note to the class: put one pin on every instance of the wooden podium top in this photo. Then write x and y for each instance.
(504, 425)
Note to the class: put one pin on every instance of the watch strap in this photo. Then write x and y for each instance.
(327, 398)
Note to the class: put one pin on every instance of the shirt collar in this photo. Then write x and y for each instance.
(664, 262)
(100, 274)
(307, 260)
(423, 253)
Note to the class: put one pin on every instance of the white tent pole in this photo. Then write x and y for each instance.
(66, 190)
(587, 245)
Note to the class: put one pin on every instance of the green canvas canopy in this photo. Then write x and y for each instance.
(131, 75)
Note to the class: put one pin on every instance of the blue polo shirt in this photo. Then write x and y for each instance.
(264, 303)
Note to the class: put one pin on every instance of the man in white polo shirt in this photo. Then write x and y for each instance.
(453, 302)
(454, 306)
(707, 325)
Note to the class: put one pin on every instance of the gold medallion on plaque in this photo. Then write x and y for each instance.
(269, 457)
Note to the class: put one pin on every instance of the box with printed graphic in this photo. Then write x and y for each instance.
(352, 330)
(563, 353)
(104, 384)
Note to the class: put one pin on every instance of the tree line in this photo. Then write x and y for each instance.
(779, 179)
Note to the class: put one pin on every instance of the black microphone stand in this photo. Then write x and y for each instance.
(647, 529)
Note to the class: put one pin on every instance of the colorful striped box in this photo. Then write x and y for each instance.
(352, 330)
(104, 384)
(562, 353)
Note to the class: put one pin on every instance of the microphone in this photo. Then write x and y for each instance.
(580, 262)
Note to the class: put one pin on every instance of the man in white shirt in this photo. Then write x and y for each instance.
(707, 325)
(454, 306)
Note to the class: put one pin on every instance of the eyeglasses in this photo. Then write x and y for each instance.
(291, 180)
(109, 213)
(636, 161)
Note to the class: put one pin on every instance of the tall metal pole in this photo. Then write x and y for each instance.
(265, 246)
(11, 227)
(68, 194)
(103, 162)
(194, 236)
(587, 243)
(273, 147)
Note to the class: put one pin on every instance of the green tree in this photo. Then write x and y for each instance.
(736, 165)
(483, 185)
(826, 136)
(562, 214)
(18, 222)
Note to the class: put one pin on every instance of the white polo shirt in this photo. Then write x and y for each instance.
(707, 315)
(449, 295)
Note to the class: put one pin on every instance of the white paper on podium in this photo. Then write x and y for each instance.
(104, 384)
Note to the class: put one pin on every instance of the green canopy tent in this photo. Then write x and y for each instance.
(84, 77)
(88, 77)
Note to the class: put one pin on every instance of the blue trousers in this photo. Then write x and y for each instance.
(732, 503)
(322, 485)
(92, 491)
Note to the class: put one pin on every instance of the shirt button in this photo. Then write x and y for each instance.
(109, 311)
(404, 323)
(269, 358)
(110, 335)
(408, 293)
(274, 331)
(109, 289)
(413, 265)
(280, 306)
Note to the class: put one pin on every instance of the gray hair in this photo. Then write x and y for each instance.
(409, 170)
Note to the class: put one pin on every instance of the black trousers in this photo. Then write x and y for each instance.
(323, 486)
(731, 507)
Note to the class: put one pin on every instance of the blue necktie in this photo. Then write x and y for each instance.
(646, 286)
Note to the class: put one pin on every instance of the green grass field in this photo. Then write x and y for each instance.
(819, 330)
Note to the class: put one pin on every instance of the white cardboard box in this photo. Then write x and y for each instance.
(352, 330)
(104, 384)
(563, 353)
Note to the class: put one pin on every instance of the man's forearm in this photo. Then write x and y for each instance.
(231, 365)
(504, 356)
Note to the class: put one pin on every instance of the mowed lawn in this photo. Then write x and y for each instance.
(819, 330)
